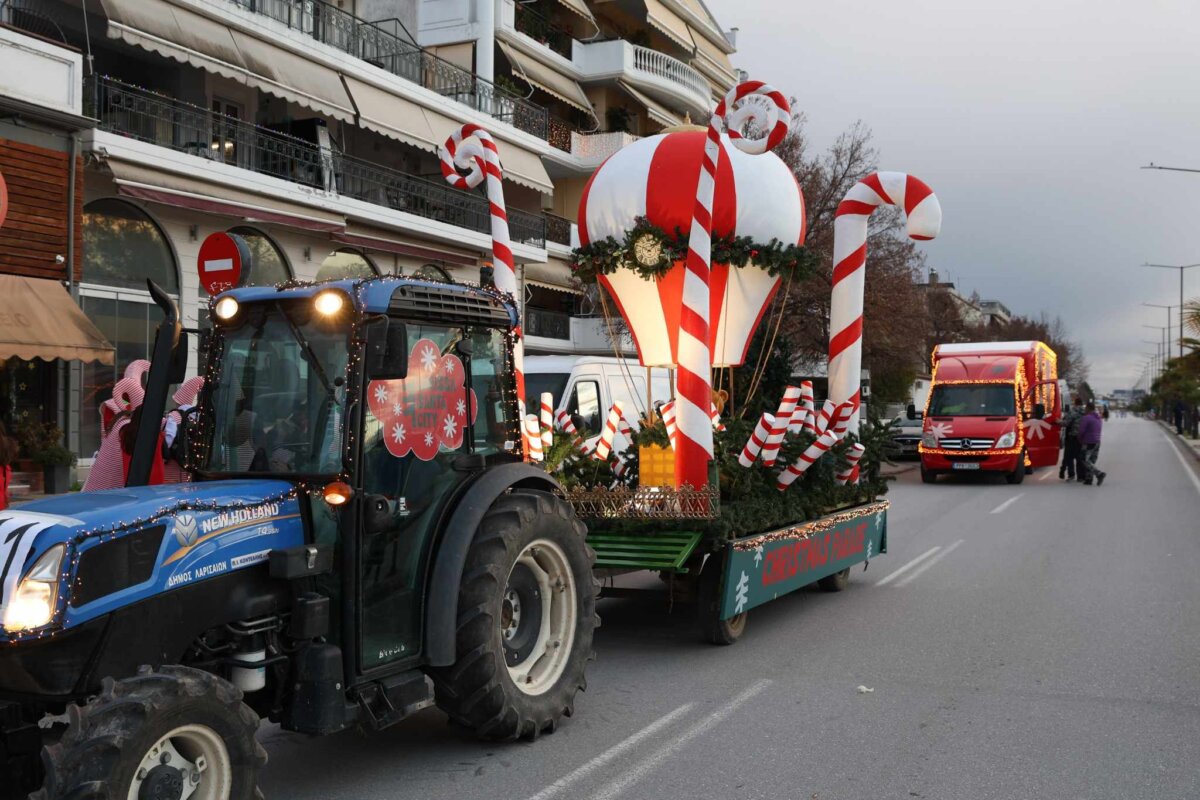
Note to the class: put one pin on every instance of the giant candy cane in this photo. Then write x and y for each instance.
(924, 214)
(472, 148)
(694, 446)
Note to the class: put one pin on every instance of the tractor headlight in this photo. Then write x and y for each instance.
(929, 440)
(329, 302)
(1007, 440)
(226, 308)
(32, 604)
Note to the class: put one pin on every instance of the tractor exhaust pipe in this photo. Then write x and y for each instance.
(168, 365)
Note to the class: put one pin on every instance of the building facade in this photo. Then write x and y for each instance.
(311, 129)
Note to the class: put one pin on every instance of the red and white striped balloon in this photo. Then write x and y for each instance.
(924, 214)
(472, 149)
(694, 448)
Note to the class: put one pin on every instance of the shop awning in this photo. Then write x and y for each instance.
(657, 111)
(523, 167)
(192, 38)
(543, 77)
(38, 319)
(395, 117)
(182, 191)
(371, 239)
(669, 24)
(555, 274)
(713, 60)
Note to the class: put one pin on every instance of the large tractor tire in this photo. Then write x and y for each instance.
(713, 629)
(837, 582)
(526, 614)
(171, 732)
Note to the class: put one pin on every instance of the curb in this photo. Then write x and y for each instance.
(1190, 445)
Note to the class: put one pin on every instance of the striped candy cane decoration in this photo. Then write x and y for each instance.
(668, 417)
(757, 439)
(840, 422)
(694, 447)
(809, 457)
(808, 419)
(533, 438)
(850, 473)
(546, 420)
(472, 148)
(825, 417)
(565, 424)
(605, 443)
(850, 258)
(783, 418)
(715, 416)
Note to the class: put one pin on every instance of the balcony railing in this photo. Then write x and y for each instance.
(535, 26)
(671, 69)
(558, 229)
(153, 118)
(382, 45)
(547, 324)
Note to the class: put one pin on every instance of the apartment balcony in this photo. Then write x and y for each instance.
(667, 79)
(388, 46)
(318, 171)
(590, 148)
(561, 333)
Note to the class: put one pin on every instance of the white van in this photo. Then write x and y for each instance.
(586, 386)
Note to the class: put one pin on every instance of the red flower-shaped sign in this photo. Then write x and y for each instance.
(427, 409)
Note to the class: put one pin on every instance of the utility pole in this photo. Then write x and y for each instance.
(1181, 268)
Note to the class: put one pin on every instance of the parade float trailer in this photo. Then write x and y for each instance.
(361, 539)
(695, 238)
(992, 408)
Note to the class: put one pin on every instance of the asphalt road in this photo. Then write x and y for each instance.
(1032, 641)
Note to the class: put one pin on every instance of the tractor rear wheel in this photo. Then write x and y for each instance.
(713, 629)
(170, 732)
(836, 582)
(526, 613)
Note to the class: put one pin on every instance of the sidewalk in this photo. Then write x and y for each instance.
(1190, 445)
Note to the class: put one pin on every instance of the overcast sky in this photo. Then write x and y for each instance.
(1030, 120)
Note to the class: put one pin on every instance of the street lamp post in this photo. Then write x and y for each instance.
(1181, 268)
(1168, 308)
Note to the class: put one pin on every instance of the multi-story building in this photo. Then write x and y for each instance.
(311, 128)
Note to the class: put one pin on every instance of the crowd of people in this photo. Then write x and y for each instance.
(1082, 425)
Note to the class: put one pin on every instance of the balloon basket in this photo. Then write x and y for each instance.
(656, 466)
(646, 502)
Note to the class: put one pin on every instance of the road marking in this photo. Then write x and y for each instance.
(612, 753)
(909, 565)
(930, 563)
(1186, 466)
(655, 760)
(1049, 474)
(1007, 503)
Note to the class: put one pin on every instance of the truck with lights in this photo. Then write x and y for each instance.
(992, 407)
(361, 540)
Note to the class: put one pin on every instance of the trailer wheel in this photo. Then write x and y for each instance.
(713, 629)
(928, 476)
(1018, 474)
(836, 582)
(172, 732)
(526, 614)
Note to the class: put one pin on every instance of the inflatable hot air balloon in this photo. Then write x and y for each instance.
(654, 180)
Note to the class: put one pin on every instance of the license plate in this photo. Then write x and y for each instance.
(966, 465)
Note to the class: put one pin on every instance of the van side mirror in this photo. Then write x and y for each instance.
(1039, 410)
(912, 412)
(387, 348)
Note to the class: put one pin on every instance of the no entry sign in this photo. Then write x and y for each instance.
(223, 261)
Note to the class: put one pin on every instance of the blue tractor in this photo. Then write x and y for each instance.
(361, 540)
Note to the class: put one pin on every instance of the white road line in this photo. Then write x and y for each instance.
(655, 760)
(1049, 474)
(1007, 503)
(612, 753)
(892, 576)
(949, 549)
(1191, 473)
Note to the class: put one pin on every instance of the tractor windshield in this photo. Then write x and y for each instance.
(278, 404)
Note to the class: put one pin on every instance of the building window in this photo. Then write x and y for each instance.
(122, 248)
(346, 263)
(432, 272)
(268, 264)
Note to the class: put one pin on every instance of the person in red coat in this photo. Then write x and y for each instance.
(8, 454)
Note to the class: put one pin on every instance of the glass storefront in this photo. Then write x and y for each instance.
(346, 264)
(269, 265)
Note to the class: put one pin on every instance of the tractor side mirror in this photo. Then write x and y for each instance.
(1039, 410)
(911, 412)
(377, 514)
(387, 348)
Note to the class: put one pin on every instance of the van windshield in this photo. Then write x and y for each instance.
(973, 400)
(538, 382)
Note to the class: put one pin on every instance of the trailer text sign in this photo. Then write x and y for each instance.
(761, 568)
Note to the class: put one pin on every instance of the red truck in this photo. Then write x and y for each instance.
(992, 406)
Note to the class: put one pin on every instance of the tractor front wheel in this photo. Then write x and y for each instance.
(173, 732)
(526, 613)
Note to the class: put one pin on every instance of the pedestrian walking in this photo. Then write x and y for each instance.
(1180, 408)
(1089, 440)
(1070, 439)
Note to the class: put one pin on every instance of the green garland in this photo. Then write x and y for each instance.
(607, 255)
